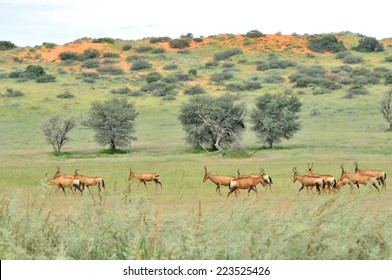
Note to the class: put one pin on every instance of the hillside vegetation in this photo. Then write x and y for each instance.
(340, 121)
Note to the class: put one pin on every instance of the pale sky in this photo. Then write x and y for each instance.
(32, 22)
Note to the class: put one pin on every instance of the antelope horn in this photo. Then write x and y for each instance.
(341, 166)
(262, 171)
(76, 171)
(295, 169)
(205, 169)
(356, 163)
(238, 172)
(46, 175)
(58, 168)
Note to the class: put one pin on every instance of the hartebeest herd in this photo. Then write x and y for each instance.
(249, 182)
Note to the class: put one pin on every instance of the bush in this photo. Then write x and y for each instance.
(369, 44)
(46, 78)
(388, 79)
(244, 86)
(220, 77)
(356, 90)
(179, 43)
(122, 90)
(176, 78)
(154, 40)
(388, 59)
(140, 65)
(192, 72)
(273, 79)
(171, 66)
(254, 34)
(153, 77)
(353, 59)
(126, 47)
(69, 56)
(103, 40)
(110, 55)
(90, 63)
(34, 71)
(66, 95)
(227, 54)
(13, 93)
(274, 64)
(132, 58)
(6, 45)
(89, 54)
(143, 49)
(112, 70)
(194, 90)
(327, 43)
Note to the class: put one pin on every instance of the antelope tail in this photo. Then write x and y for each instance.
(270, 179)
(103, 183)
(334, 183)
(385, 176)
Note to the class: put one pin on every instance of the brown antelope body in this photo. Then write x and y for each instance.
(217, 179)
(145, 177)
(379, 174)
(358, 179)
(88, 181)
(65, 182)
(308, 181)
(246, 183)
(329, 180)
(266, 182)
(342, 183)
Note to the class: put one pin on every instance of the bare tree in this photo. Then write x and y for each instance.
(56, 129)
(386, 107)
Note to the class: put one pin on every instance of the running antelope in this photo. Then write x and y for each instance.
(379, 174)
(64, 182)
(217, 179)
(144, 177)
(246, 183)
(88, 181)
(308, 181)
(329, 180)
(358, 178)
(266, 182)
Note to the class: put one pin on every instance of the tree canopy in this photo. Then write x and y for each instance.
(275, 117)
(113, 122)
(210, 122)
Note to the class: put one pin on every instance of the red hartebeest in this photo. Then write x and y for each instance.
(217, 179)
(358, 178)
(144, 177)
(308, 181)
(380, 175)
(329, 180)
(266, 182)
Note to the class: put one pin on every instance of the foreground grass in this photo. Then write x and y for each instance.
(182, 224)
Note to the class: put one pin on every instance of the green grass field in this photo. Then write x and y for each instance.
(187, 219)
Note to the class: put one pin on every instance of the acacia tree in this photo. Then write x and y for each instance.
(386, 107)
(210, 122)
(56, 129)
(113, 122)
(276, 117)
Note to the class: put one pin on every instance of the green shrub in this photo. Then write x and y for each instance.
(220, 77)
(126, 47)
(179, 43)
(388, 79)
(171, 66)
(388, 59)
(143, 49)
(194, 90)
(244, 86)
(34, 71)
(69, 56)
(132, 58)
(254, 34)
(227, 54)
(140, 65)
(46, 78)
(13, 93)
(6, 45)
(112, 70)
(110, 55)
(103, 40)
(192, 72)
(154, 40)
(353, 59)
(122, 90)
(369, 44)
(89, 54)
(273, 79)
(153, 77)
(327, 43)
(66, 95)
(274, 64)
(90, 63)
(356, 90)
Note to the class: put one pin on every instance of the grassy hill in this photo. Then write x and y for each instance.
(184, 220)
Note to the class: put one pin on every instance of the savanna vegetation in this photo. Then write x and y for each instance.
(342, 119)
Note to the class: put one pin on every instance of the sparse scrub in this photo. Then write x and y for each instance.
(227, 54)
(140, 64)
(327, 43)
(111, 70)
(179, 43)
